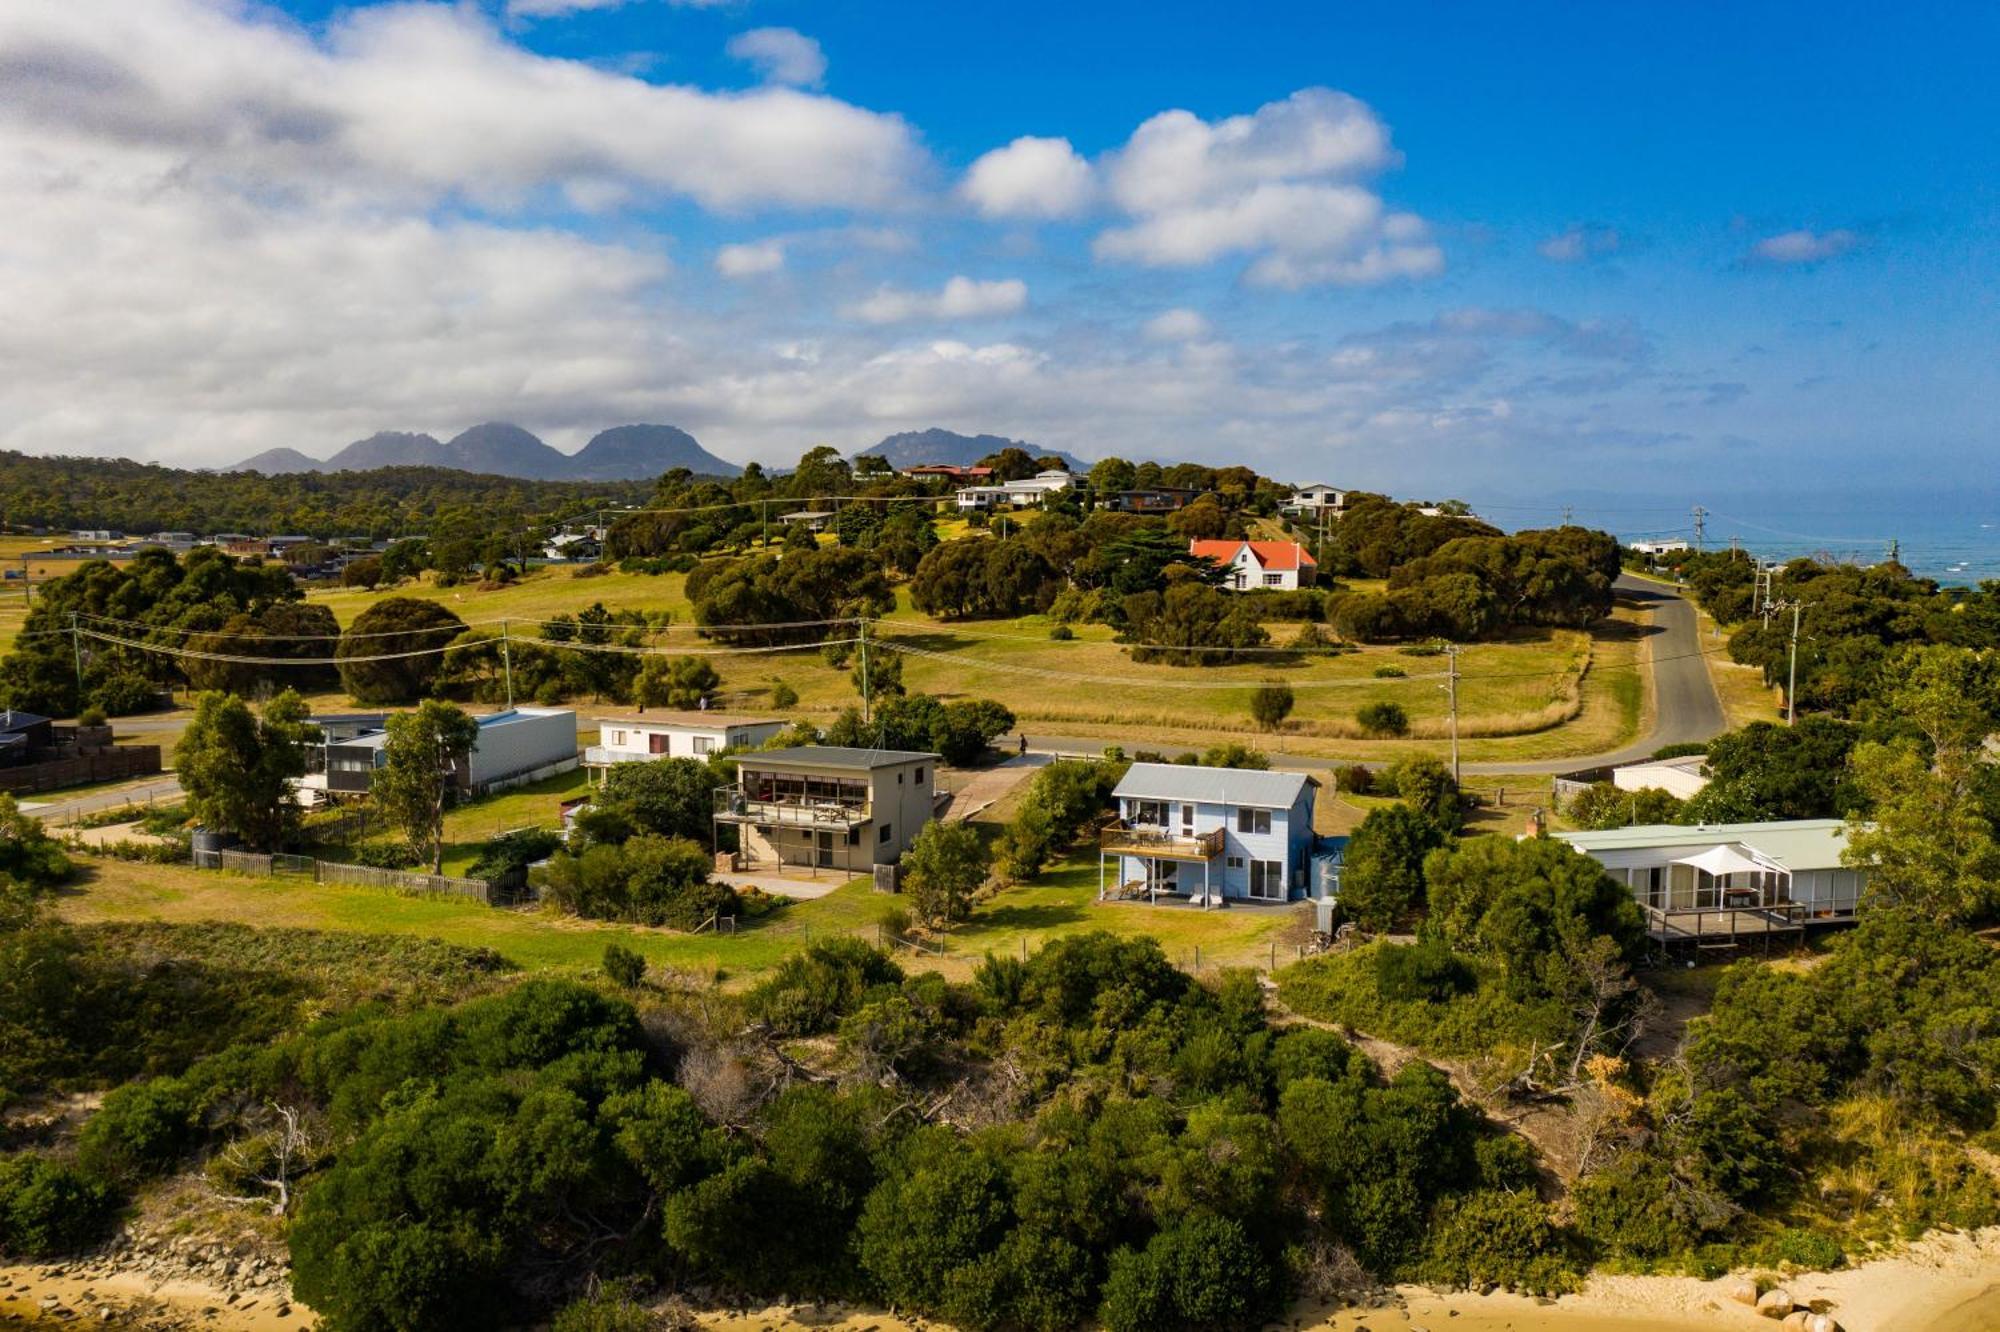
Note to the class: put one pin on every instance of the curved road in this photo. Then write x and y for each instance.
(1686, 709)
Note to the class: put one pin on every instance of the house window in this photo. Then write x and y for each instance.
(886, 829)
(919, 777)
(1274, 580)
(854, 836)
(704, 744)
(659, 744)
(1236, 862)
(618, 738)
(1149, 813)
(1253, 820)
(899, 779)
(1267, 879)
(1187, 819)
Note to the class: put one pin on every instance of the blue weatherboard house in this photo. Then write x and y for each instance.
(1211, 835)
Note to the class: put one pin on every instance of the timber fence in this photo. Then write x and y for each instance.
(354, 876)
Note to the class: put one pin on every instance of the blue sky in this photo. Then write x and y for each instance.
(1657, 251)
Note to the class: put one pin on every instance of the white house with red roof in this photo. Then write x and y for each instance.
(1279, 565)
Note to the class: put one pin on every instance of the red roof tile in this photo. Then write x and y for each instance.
(1273, 555)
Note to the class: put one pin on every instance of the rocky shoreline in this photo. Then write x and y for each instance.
(159, 1284)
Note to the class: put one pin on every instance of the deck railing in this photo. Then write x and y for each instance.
(1145, 840)
(732, 805)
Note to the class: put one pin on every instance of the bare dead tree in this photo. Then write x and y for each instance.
(291, 1151)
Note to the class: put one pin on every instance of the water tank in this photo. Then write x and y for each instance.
(206, 839)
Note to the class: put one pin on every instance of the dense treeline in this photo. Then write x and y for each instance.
(209, 600)
(1473, 587)
(142, 498)
(1124, 1144)
(1852, 621)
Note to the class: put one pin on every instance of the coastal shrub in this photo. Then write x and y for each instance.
(49, 1207)
(1632, 1207)
(811, 990)
(511, 853)
(1497, 1238)
(623, 967)
(1444, 1008)
(1383, 719)
(140, 1130)
(1354, 778)
(1202, 1272)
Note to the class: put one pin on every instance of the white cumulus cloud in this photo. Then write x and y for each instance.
(750, 259)
(430, 102)
(1031, 177)
(1287, 186)
(1804, 246)
(1177, 325)
(781, 55)
(960, 298)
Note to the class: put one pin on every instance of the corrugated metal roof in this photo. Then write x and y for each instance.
(1213, 786)
(710, 720)
(1797, 844)
(836, 756)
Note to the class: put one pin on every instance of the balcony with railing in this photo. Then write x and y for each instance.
(1138, 839)
(735, 804)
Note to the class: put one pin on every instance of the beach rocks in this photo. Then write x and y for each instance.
(1775, 1303)
(1743, 1292)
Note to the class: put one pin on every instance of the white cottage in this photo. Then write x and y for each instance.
(1700, 880)
(635, 737)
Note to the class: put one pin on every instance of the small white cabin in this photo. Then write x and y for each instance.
(635, 737)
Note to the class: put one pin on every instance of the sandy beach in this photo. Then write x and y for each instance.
(137, 1301)
(1944, 1283)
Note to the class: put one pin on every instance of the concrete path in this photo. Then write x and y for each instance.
(984, 786)
(799, 887)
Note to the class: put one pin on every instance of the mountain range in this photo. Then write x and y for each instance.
(622, 453)
(913, 448)
(496, 448)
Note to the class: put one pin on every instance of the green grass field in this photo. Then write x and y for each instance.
(1539, 694)
(1015, 918)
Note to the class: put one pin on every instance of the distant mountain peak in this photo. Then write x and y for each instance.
(638, 451)
(501, 448)
(278, 462)
(913, 448)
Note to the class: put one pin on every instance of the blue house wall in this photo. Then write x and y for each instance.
(1288, 843)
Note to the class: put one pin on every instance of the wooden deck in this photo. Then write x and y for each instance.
(1725, 927)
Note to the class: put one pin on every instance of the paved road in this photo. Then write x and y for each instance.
(56, 807)
(1686, 706)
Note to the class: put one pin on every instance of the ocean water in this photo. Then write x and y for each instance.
(1952, 538)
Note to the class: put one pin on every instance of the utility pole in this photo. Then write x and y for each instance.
(1792, 682)
(1700, 528)
(507, 661)
(76, 652)
(867, 700)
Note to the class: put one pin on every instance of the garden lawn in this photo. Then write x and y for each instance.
(1064, 903)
